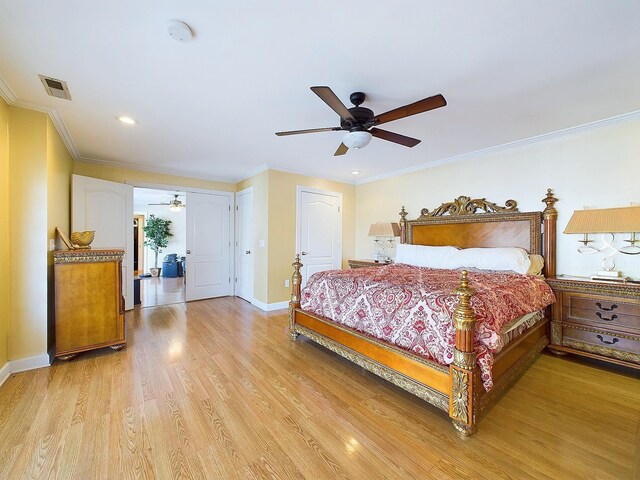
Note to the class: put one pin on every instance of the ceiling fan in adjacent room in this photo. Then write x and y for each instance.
(360, 122)
(174, 205)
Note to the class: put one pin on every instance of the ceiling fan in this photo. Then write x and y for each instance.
(360, 122)
(174, 205)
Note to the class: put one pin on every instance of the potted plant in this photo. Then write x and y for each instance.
(157, 232)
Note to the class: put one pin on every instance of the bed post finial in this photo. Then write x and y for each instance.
(462, 408)
(403, 225)
(550, 218)
(296, 282)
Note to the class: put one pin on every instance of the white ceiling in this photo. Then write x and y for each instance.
(209, 108)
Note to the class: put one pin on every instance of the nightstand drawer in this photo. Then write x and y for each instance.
(602, 339)
(592, 310)
(596, 319)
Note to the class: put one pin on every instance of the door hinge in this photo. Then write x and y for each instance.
(229, 207)
(229, 243)
(229, 279)
(338, 209)
(236, 207)
(236, 279)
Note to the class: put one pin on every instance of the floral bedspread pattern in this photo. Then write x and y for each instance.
(412, 307)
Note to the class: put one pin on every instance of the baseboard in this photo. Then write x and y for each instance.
(277, 306)
(5, 371)
(269, 307)
(23, 364)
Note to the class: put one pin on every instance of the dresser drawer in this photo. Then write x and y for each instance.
(593, 310)
(603, 339)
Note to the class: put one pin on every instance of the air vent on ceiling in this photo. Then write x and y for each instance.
(55, 87)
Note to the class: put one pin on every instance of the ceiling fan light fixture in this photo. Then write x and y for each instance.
(357, 139)
(175, 207)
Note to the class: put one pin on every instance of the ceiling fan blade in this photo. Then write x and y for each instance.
(330, 98)
(420, 106)
(342, 149)
(311, 130)
(394, 137)
(158, 204)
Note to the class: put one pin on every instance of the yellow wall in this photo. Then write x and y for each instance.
(59, 170)
(282, 226)
(260, 184)
(600, 168)
(4, 230)
(27, 233)
(274, 214)
(128, 175)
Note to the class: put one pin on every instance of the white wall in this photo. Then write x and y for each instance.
(599, 168)
(177, 243)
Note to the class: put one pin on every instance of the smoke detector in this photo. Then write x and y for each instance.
(55, 88)
(179, 31)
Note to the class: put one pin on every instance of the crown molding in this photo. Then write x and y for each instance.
(57, 121)
(252, 173)
(265, 166)
(166, 171)
(6, 92)
(545, 137)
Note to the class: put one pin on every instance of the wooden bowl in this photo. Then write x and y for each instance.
(82, 239)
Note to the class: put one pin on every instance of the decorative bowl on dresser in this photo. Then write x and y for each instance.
(89, 308)
(366, 263)
(596, 319)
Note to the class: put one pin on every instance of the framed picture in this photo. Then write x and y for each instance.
(64, 238)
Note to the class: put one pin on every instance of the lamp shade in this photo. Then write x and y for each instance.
(605, 220)
(384, 230)
(357, 139)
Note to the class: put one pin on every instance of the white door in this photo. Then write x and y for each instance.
(244, 244)
(319, 231)
(107, 208)
(208, 246)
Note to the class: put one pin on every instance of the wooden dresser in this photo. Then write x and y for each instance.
(596, 319)
(89, 309)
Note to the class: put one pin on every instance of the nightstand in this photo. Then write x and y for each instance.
(366, 263)
(596, 319)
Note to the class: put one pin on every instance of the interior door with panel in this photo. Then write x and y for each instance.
(208, 262)
(319, 230)
(244, 244)
(107, 208)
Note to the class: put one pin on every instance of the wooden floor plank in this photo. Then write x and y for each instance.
(217, 389)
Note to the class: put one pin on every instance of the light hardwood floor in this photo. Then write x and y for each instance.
(217, 390)
(161, 291)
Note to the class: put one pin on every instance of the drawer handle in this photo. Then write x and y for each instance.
(613, 317)
(613, 307)
(615, 340)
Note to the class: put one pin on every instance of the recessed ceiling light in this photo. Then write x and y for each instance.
(355, 172)
(126, 120)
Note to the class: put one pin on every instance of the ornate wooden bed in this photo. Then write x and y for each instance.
(456, 388)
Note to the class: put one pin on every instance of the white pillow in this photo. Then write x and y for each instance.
(499, 258)
(424, 255)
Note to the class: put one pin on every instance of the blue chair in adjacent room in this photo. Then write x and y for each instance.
(170, 266)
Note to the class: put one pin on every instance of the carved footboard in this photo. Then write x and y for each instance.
(453, 389)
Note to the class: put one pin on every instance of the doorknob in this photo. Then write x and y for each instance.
(188, 252)
(248, 252)
(303, 253)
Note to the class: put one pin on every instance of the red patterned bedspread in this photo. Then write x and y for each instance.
(412, 307)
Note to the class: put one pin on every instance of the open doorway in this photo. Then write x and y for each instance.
(168, 286)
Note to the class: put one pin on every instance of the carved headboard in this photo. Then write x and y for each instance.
(467, 223)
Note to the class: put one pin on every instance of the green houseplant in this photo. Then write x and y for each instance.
(157, 232)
